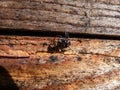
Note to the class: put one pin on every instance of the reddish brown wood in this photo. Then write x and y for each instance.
(93, 64)
(66, 72)
(25, 46)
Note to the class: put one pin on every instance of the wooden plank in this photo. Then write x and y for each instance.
(65, 72)
(27, 64)
(78, 16)
(25, 46)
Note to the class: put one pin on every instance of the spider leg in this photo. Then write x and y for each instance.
(66, 34)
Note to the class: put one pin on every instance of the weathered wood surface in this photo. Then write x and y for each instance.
(66, 73)
(93, 65)
(25, 46)
(75, 16)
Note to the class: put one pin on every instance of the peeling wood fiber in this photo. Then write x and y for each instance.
(25, 46)
(92, 64)
(75, 16)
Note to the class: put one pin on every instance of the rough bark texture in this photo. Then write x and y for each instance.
(75, 16)
(91, 65)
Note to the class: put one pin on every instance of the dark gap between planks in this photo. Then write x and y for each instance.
(49, 33)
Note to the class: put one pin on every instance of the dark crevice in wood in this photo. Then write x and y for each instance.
(13, 57)
(50, 33)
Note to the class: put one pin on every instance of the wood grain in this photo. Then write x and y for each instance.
(65, 72)
(91, 64)
(87, 64)
(88, 16)
(25, 46)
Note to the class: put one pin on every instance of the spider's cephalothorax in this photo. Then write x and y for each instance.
(59, 43)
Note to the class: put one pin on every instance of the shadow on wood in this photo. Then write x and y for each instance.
(6, 81)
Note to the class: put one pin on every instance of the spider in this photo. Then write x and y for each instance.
(59, 43)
